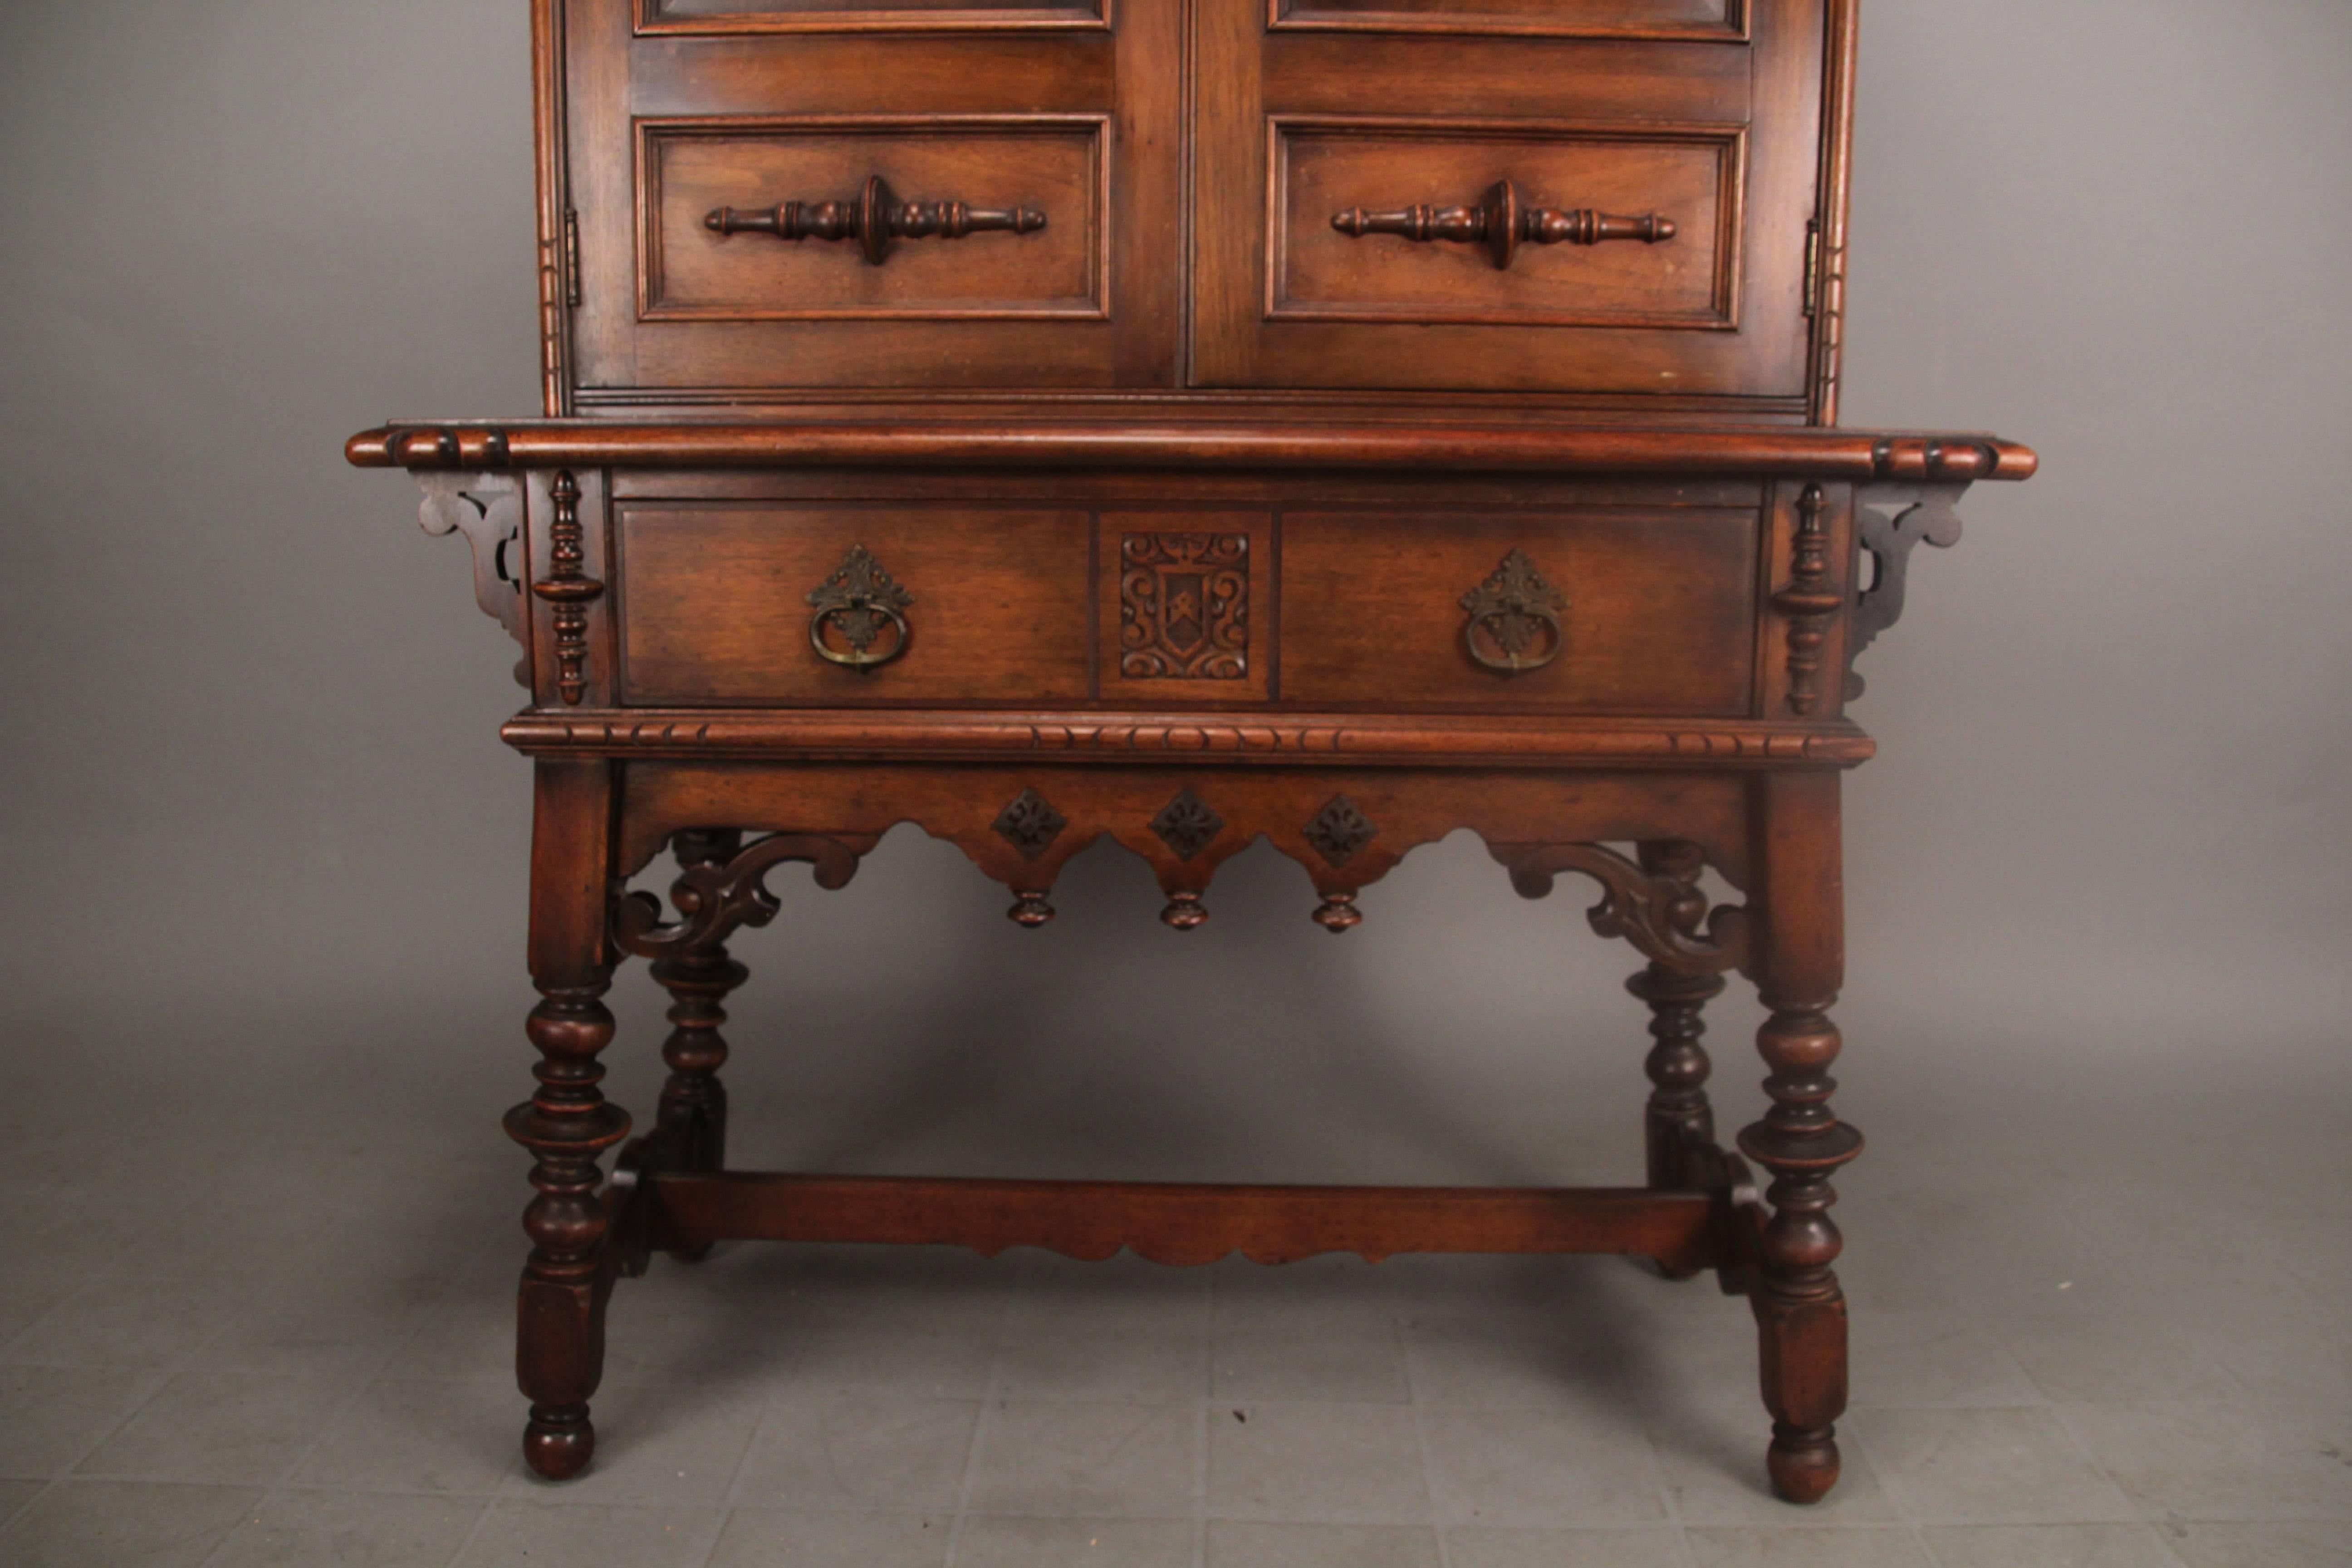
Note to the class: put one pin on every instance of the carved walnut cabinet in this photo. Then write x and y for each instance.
(1188, 422)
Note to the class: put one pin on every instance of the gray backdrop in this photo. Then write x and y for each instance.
(258, 821)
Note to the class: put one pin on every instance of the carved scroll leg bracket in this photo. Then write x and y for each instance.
(1892, 521)
(488, 509)
(713, 899)
(567, 1126)
(1663, 914)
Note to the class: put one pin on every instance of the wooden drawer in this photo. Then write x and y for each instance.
(1598, 611)
(976, 605)
(1483, 196)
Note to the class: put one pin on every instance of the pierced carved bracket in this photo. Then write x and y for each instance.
(715, 899)
(1665, 916)
(488, 509)
(1927, 516)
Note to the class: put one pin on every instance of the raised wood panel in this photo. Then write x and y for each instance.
(721, 17)
(1057, 166)
(1660, 615)
(664, 311)
(1728, 137)
(1691, 176)
(714, 604)
(1710, 21)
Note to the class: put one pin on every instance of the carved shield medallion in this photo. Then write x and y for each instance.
(1183, 606)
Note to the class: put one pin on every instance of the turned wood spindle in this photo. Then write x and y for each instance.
(1679, 1120)
(567, 1126)
(693, 1116)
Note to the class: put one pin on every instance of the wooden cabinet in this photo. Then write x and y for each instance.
(1191, 425)
(1610, 200)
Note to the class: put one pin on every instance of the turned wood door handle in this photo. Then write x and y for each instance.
(855, 606)
(877, 219)
(1501, 224)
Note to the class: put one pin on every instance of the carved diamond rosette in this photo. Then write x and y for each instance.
(1183, 606)
(1187, 825)
(1338, 830)
(1030, 824)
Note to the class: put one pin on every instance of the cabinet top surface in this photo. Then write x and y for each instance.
(1829, 454)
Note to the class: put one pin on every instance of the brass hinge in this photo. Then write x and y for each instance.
(1812, 267)
(571, 258)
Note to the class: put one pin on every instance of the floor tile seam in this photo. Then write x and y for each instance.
(473, 1532)
(1415, 1414)
(967, 1471)
(2148, 1513)
(72, 1466)
(271, 1493)
(1897, 1496)
(25, 1512)
(367, 1384)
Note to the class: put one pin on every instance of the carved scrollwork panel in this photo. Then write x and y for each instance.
(713, 900)
(1183, 606)
(1891, 521)
(1665, 916)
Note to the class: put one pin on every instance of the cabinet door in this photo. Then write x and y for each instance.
(1532, 196)
(774, 195)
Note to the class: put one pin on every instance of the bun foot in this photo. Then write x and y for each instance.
(559, 1443)
(1804, 1464)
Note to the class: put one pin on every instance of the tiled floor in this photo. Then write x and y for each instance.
(294, 1351)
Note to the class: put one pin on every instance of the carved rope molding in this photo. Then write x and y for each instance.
(715, 899)
(1888, 535)
(1663, 916)
(569, 588)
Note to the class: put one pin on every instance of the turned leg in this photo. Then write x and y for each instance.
(693, 1118)
(568, 1124)
(1801, 1312)
(1679, 1120)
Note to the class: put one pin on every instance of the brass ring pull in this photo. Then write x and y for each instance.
(860, 602)
(1501, 224)
(1514, 624)
(875, 218)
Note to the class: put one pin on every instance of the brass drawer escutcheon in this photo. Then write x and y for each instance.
(858, 602)
(1514, 624)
